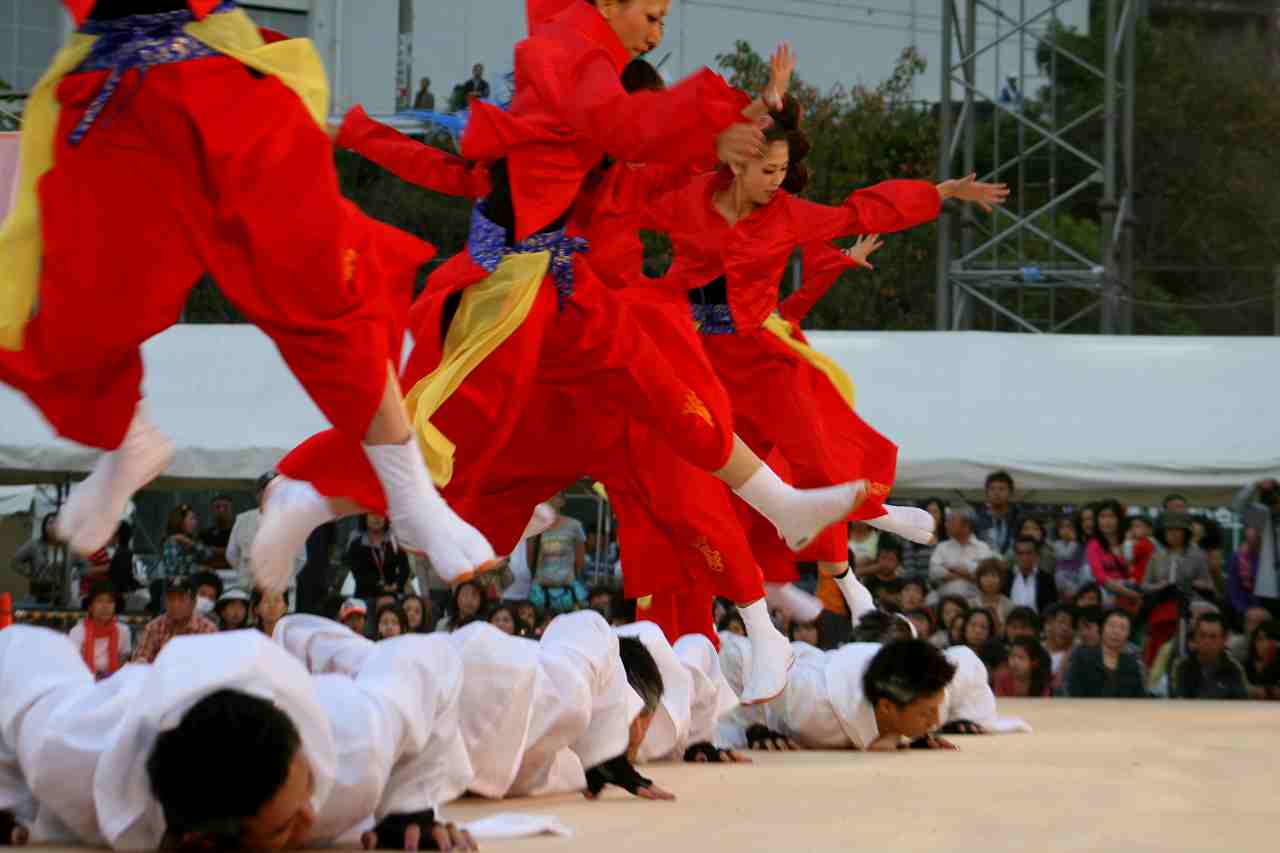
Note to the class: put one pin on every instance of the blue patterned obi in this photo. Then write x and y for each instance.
(710, 305)
(137, 42)
(487, 245)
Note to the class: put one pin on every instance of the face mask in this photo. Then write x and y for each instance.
(204, 606)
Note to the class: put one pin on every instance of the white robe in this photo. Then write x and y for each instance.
(823, 706)
(73, 752)
(533, 714)
(695, 693)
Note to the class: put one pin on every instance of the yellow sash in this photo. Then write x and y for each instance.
(838, 377)
(490, 311)
(294, 61)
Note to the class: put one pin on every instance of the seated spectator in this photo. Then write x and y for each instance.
(465, 607)
(386, 599)
(989, 597)
(1180, 572)
(1105, 554)
(1071, 571)
(1059, 638)
(912, 594)
(889, 595)
(1088, 596)
(997, 523)
(732, 623)
(953, 568)
(179, 619)
(1242, 574)
(1207, 535)
(887, 567)
(955, 634)
(208, 590)
(1027, 672)
(1239, 644)
(417, 613)
(1211, 672)
(378, 564)
(528, 620)
(1174, 501)
(922, 619)
(980, 635)
(600, 599)
(556, 560)
(1107, 671)
(809, 632)
(950, 608)
(103, 642)
(1033, 528)
(353, 614)
(182, 551)
(41, 562)
(503, 617)
(915, 558)
(1262, 664)
(392, 622)
(268, 609)
(1089, 626)
(122, 560)
(1028, 585)
(1140, 546)
(233, 610)
(218, 535)
(1022, 622)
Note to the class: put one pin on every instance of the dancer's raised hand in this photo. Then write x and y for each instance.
(862, 249)
(969, 188)
(782, 63)
(739, 143)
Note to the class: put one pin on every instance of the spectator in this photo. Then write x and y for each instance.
(915, 558)
(424, 100)
(465, 607)
(1175, 502)
(1027, 673)
(1177, 574)
(477, 86)
(233, 610)
(922, 620)
(1105, 553)
(912, 595)
(997, 523)
(1107, 671)
(1238, 645)
(42, 561)
(504, 619)
(600, 599)
(806, 632)
(1071, 570)
(556, 558)
(1140, 547)
(1033, 528)
(1259, 507)
(732, 623)
(178, 620)
(953, 567)
(1207, 535)
(527, 621)
(208, 588)
(955, 633)
(268, 609)
(1059, 638)
(417, 614)
(1262, 663)
(103, 642)
(378, 564)
(990, 583)
(218, 534)
(121, 570)
(887, 567)
(1087, 522)
(182, 551)
(1210, 673)
(1088, 596)
(980, 635)
(1242, 573)
(392, 622)
(950, 608)
(1022, 622)
(1028, 585)
(1089, 626)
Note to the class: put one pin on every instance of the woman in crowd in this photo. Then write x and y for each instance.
(377, 562)
(1207, 535)
(1087, 522)
(1088, 597)
(808, 632)
(1033, 527)
(1071, 570)
(556, 559)
(990, 596)
(233, 610)
(1110, 670)
(392, 622)
(42, 562)
(1028, 672)
(1262, 666)
(978, 633)
(503, 617)
(950, 609)
(268, 609)
(103, 642)
(1176, 575)
(1105, 555)
(528, 620)
(183, 551)
(417, 614)
(465, 607)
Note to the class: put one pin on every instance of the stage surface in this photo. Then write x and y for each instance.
(1095, 775)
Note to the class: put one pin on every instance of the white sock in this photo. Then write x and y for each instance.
(771, 655)
(420, 517)
(909, 522)
(292, 510)
(799, 514)
(799, 605)
(857, 596)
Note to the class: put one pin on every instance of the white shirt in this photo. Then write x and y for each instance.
(949, 552)
(102, 648)
(1023, 593)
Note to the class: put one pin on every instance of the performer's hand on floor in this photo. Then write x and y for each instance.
(450, 836)
(12, 833)
(420, 831)
(762, 737)
(705, 753)
(653, 792)
(619, 771)
(963, 727)
(933, 742)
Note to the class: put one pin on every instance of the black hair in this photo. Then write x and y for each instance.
(914, 581)
(1171, 497)
(906, 671)
(998, 477)
(1027, 539)
(1092, 586)
(1272, 674)
(428, 610)
(816, 625)
(1213, 538)
(879, 626)
(511, 611)
(924, 613)
(222, 496)
(1091, 616)
(640, 76)
(455, 618)
(1116, 611)
(988, 566)
(939, 529)
(1041, 663)
(958, 600)
(1038, 522)
(974, 614)
(642, 672)
(1213, 619)
(264, 737)
(45, 536)
(395, 610)
(889, 544)
(200, 579)
(1051, 612)
(731, 616)
(1023, 616)
(786, 128)
(1122, 522)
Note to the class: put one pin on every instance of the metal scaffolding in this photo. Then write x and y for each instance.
(1016, 266)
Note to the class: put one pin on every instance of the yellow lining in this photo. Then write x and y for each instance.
(780, 327)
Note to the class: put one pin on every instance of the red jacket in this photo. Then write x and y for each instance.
(80, 9)
(409, 160)
(821, 264)
(753, 253)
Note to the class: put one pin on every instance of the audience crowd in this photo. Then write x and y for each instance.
(1096, 602)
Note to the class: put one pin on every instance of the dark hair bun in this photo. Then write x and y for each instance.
(788, 118)
(786, 126)
(797, 178)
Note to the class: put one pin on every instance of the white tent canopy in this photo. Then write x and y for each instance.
(1070, 417)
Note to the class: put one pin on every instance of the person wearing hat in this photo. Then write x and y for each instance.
(233, 610)
(103, 642)
(353, 614)
(179, 619)
(1181, 570)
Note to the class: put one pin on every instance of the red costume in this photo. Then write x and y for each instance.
(198, 166)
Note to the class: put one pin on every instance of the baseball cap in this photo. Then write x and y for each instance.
(350, 606)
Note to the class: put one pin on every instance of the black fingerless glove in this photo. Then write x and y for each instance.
(959, 727)
(706, 751)
(8, 823)
(762, 737)
(391, 830)
(616, 771)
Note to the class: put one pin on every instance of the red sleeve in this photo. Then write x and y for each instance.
(541, 11)
(880, 209)
(1097, 562)
(412, 161)
(678, 125)
(822, 264)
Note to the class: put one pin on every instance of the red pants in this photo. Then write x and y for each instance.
(200, 167)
